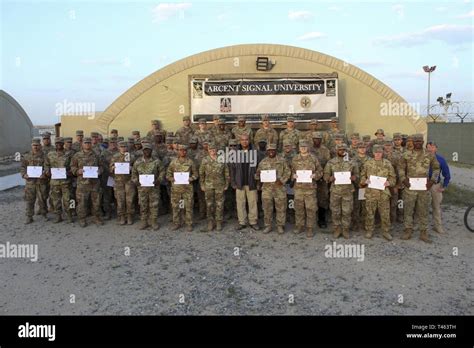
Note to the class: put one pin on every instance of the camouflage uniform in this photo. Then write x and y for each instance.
(323, 155)
(237, 132)
(184, 134)
(341, 195)
(378, 200)
(416, 164)
(220, 137)
(35, 188)
(290, 194)
(269, 135)
(214, 178)
(202, 136)
(198, 157)
(87, 188)
(274, 191)
(60, 188)
(305, 193)
(182, 192)
(292, 136)
(359, 213)
(125, 190)
(148, 196)
(394, 158)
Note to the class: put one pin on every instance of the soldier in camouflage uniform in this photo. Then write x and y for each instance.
(359, 213)
(375, 199)
(87, 188)
(290, 134)
(107, 191)
(96, 148)
(35, 188)
(213, 127)
(305, 193)
(220, 136)
(321, 152)
(409, 143)
(341, 199)
(313, 127)
(337, 139)
(416, 164)
(333, 131)
(159, 147)
(60, 188)
(398, 150)
(214, 178)
(274, 192)
(182, 194)
(46, 148)
(394, 158)
(148, 196)
(185, 133)
(266, 132)
(125, 190)
(355, 139)
(77, 145)
(202, 133)
(198, 155)
(155, 126)
(241, 128)
(288, 153)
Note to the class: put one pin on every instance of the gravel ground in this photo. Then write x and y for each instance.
(164, 266)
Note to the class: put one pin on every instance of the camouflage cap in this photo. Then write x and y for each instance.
(313, 121)
(241, 118)
(355, 136)
(221, 121)
(379, 131)
(366, 138)
(155, 121)
(59, 140)
(139, 141)
(205, 141)
(131, 139)
(286, 142)
(158, 132)
(46, 135)
(418, 137)
(147, 146)
(182, 147)
(112, 140)
(36, 141)
(410, 137)
(94, 134)
(303, 143)
(114, 131)
(316, 135)
(404, 136)
(80, 132)
(334, 119)
(397, 136)
(339, 136)
(105, 140)
(341, 147)
(265, 118)
(68, 140)
(186, 118)
(120, 138)
(215, 117)
(377, 148)
(169, 139)
(263, 140)
(87, 140)
(212, 146)
(123, 144)
(135, 132)
(202, 120)
(290, 119)
(193, 140)
(361, 144)
(271, 147)
(233, 142)
(169, 134)
(388, 141)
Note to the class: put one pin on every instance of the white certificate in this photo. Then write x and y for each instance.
(304, 176)
(377, 182)
(90, 172)
(268, 175)
(361, 194)
(147, 180)
(342, 178)
(58, 173)
(181, 178)
(110, 182)
(418, 184)
(122, 168)
(34, 171)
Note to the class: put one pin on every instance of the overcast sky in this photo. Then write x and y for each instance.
(54, 52)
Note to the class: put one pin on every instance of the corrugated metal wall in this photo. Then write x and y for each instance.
(453, 139)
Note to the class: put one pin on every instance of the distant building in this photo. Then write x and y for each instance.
(16, 129)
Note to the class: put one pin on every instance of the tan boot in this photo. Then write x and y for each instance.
(309, 232)
(122, 221)
(189, 228)
(336, 232)
(407, 234)
(369, 234)
(82, 223)
(29, 220)
(218, 226)
(345, 233)
(175, 227)
(424, 237)
(267, 229)
(387, 236)
(280, 229)
(58, 219)
(129, 219)
(98, 221)
(155, 225)
(209, 227)
(69, 217)
(143, 224)
(298, 229)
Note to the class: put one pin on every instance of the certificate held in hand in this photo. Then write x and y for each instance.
(377, 182)
(342, 178)
(181, 178)
(418, 184)
(122, 168)
(90, 172)
(304, 176)
(268, 175)
(58, 173)
(147, 180)
(34, 171)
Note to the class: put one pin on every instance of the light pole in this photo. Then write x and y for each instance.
(429, 70)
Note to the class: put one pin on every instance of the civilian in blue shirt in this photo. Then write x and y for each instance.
(438, 189)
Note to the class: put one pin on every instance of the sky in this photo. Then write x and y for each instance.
(58, 52)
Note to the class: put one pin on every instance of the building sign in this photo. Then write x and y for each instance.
(302, 98)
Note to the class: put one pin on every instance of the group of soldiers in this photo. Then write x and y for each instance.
(186, 170)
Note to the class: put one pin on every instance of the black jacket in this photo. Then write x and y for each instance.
(237, 171)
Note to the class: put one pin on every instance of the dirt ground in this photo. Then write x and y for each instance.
(198, 273)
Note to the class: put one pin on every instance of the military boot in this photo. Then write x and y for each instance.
(29, 220)
(267, 229)
(143, 224)
(369, 234)
(424, 237)
(58, 219)
(129, 219)
(189, 228)
(121, 220)
(345, 232)
(69, 217)
(387, 236)
(175, 227)
(280, 229)
(107, 215)
(209, 227)
(407, 234)
(336, 232)
(98, 221)
(155, 225)
(45, 217)
(309, 232)
(298, 229)
(82, 222)
(218, 225)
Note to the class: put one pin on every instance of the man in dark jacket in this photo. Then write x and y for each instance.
(243, 170)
